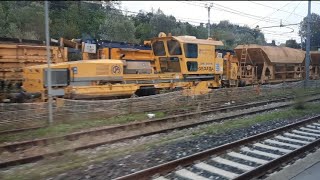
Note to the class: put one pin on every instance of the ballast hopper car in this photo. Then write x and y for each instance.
(268, 64)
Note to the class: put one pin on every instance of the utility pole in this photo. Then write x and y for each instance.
(307, 62)
(50, 119)
(209, 7)
(301, 42)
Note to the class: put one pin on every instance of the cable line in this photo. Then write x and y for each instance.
(293, 10)
(275, 8)
(269, 15)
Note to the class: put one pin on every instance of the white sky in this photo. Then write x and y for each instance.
(192, 12)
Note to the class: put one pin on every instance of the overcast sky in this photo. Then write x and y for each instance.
(251, 13)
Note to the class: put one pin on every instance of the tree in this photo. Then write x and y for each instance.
(143, 28)
(202, 31)
(3, 22)
(162, 23)
(292, 44)
(117, 27)
(77, 19)
(314, 29)
(22, 19)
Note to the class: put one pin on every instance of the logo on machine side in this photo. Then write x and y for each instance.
(116, 69)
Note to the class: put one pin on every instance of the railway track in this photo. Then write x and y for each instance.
(111, 131)
(248, 158)
(203, 105)
(200, 106)
(20, 130)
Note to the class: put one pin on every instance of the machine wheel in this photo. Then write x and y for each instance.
(146, 92)
(242, 83)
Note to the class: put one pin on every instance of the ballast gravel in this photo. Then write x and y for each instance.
(126, 164)
(119, 166)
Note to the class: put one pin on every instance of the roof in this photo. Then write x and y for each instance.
(191, 39)
(275, 54)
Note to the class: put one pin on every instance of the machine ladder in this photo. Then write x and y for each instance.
(243, 59)
(244, 72)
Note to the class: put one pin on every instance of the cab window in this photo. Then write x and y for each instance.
(191, 50)
(158, 48)
(174, 47)
(192, 66)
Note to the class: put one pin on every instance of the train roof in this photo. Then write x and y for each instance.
(273, 53)
(188, 39)
(191, 39)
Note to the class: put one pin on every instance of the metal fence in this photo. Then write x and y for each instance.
(34, 114)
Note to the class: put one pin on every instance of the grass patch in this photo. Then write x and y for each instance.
(54, 166)
(289, 113)
(69, 127)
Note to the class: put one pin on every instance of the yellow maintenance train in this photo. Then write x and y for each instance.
(179, 62)
(173, 62)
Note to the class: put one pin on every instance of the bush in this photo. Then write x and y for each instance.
(299, 100)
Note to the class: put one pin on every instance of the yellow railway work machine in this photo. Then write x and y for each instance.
(180, 62)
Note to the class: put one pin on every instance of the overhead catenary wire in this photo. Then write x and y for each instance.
(202, 21)
(135, 13)
(281, 25)
(293, 11)
(246, 14)
(233, 11)
(260, 18)
(276, 8)
(269, 15)
(202, 5)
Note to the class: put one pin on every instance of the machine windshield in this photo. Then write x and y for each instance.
(191, 50)
(158, 48)
(174, 47)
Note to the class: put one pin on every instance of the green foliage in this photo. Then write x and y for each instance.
(232, 35)
(21, 19)
(117, 27)
(315, 31)
(76, 19)
(162, 23)
(290, 113)
(292, 44)
(299, 101)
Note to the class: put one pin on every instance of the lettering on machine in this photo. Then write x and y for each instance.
(217, 67)
(89, 48)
